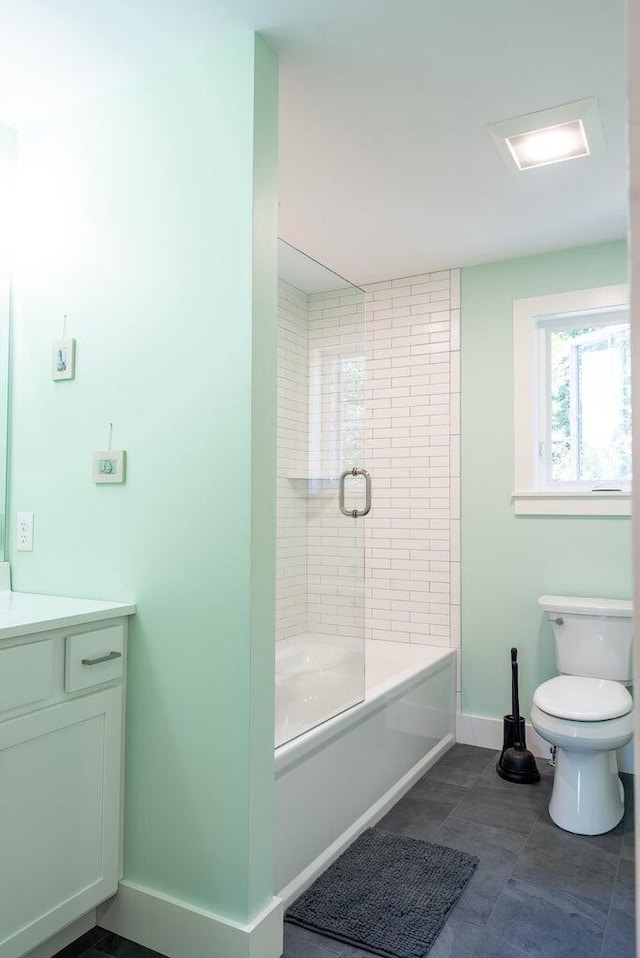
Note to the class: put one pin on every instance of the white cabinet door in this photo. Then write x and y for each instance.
(59, 816)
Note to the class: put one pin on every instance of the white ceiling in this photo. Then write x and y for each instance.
(386, 168)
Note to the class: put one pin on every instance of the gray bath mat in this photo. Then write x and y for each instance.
(388, 894)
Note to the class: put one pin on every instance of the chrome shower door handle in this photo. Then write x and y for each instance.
(367, 494)
(355, 513)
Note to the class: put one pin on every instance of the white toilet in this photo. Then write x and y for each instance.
(586, 711)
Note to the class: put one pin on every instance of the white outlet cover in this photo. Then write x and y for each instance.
(24, 532)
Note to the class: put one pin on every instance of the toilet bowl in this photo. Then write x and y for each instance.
(587, 712)
(587, 796)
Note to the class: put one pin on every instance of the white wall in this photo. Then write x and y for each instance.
(409, 440)
(292, 460)
(320, 556)
(335, 580)
(413, 453)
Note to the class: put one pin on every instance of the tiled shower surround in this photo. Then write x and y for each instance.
(292, 460)
(409, 440)
(320, 383)
(412, 442)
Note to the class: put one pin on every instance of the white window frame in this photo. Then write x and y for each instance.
(530, 497)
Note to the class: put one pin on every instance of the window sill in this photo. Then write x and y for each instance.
(535, 503)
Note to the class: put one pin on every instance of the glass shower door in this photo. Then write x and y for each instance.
(322, 496)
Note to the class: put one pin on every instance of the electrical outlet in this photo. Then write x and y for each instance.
(24, 532)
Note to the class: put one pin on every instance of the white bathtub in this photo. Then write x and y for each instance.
(317, 676)
(343, 775)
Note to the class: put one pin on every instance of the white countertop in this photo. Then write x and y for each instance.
(22, 613)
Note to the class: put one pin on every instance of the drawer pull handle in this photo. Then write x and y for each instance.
(103, 658)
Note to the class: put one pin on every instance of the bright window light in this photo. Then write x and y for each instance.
(552, 144)
(585, 414)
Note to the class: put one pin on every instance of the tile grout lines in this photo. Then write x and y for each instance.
(606, 924)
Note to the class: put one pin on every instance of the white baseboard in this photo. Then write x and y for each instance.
(373, 814)
(55, 944)
(487, 732)
(180, 930)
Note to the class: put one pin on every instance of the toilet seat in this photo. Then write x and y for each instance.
(583, 699)
(585, 736)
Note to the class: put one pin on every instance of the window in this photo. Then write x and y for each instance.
(572, 403)
(336, 410)
(584, 416)
(351, 404)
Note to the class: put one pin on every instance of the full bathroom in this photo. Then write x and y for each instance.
(368, 596)
(317, 403)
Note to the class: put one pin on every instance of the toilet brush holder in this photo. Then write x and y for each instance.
(516, 763)
(513, 731)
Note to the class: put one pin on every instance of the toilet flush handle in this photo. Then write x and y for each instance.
(558, 621)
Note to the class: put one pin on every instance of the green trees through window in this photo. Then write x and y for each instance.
(590, 403)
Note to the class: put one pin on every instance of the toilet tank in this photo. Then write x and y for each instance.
(593, 637)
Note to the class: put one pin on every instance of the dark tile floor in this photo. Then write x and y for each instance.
(538, 891)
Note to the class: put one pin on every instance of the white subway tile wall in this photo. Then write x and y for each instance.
(335, 571)
(454, 468)
(412, 449)
(292, 462)
(404, 427)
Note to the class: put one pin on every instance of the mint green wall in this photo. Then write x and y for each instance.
(508, 562)
(263, 489)
(8, 147)
(137, 219)
(8, 156)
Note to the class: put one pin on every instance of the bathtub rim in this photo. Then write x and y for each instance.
(305, 744)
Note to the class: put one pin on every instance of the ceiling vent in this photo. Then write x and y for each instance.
(549, 136)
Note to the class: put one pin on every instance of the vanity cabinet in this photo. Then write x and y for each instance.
(61, 722)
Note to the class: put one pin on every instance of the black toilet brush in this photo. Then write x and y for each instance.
(516, 763)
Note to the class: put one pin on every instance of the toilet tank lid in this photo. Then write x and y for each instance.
(579, 605)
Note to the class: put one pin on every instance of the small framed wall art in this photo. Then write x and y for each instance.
(109, 466)
(63, 359)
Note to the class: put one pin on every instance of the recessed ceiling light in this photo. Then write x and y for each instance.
(551, 144)
(549, 136)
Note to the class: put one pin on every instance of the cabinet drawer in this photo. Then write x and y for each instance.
(26, 674)
(92, 658)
